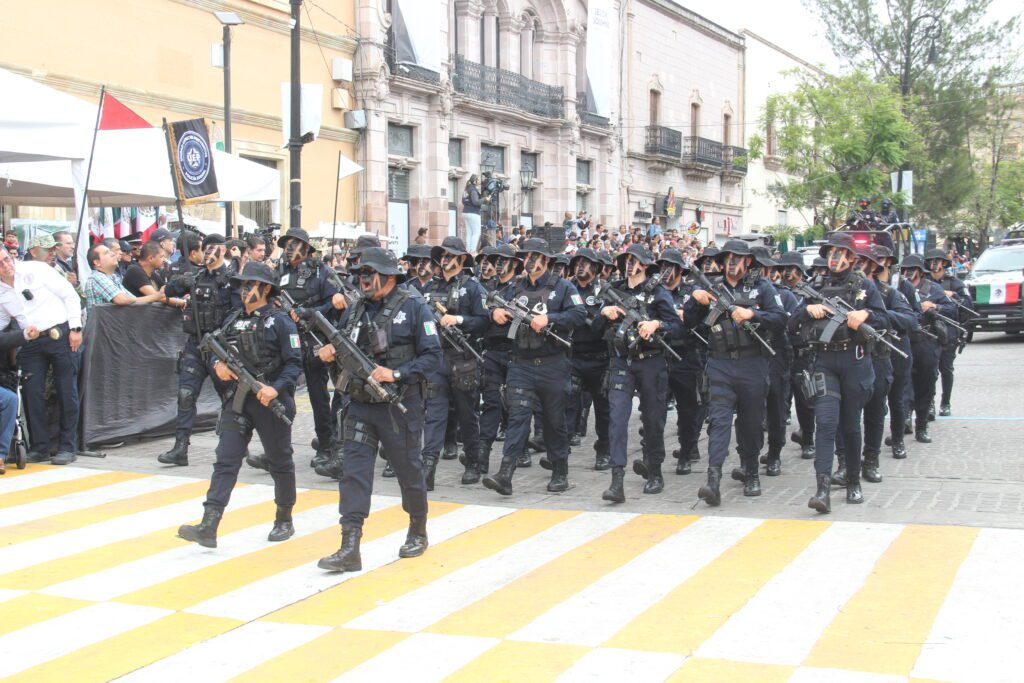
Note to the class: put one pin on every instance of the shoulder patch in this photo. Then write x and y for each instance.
(778, 299)
(400, 318)
(576, 300)
(293, 340)
(269, 322)
(429, 328)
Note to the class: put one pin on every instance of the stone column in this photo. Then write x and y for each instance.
(526, 51)
(467, 18)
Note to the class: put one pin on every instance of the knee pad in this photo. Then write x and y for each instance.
(359, 432)
(518, 399)
(186, 399)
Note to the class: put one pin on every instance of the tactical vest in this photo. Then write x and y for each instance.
(536, 301)
(584, 340)
(301, 281)
(209, 303)
(448, 294)
(729, 340)
(495, 337)
(935, 326)
(851, 290)
(248, 336)
(373, 337)
(624, 337)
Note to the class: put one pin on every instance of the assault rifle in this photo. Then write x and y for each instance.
(628, 329)
(838, 310)
(455, 337)
(521, 315)
(247, 383)
(693, 330)
(724, 304)
(352, 294)
(304, 315)
(353, 362)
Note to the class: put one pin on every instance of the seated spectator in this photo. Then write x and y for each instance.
(103, 288)
(9, 340)
(147, 276)
(41, 248)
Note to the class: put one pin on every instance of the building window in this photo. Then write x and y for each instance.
(655, 107)
(490, 155)
(726, 126)
(769, 139)
(261, 212)
(581, 202)
(454, 196)
(582, 172)
(694, 120)
(400, 140)
(781, 217)
(398, 185)
(527, 209)
(455, 153)
(528, 162)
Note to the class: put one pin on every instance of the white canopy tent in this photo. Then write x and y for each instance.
(207, 227)
(38, 123)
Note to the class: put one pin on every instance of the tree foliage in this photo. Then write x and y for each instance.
(839, 136)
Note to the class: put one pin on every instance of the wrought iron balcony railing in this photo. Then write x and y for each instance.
(589, 118)
(702, 151)
(406, 70)
(736, 159)
(505, 88)
(664, 142)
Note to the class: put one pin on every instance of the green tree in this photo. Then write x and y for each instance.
(936, 54)
(839, 136)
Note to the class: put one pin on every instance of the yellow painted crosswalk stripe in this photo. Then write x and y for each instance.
(520, 602)
(326, 657)
(103, 557)
(30, 469)
(884, 625)
(348, 600)
(700, 670)
(33, 608)
(128, 651)
(100, 513)
(195, 587)
(514, 662)
(62, 488)
(697, 607)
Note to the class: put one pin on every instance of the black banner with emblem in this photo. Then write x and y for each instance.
(192, 159)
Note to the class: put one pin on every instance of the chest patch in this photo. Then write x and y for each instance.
(269, 323)
(400, 318)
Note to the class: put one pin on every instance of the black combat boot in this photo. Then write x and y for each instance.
(931, 412)
(320, 459)
(695, 454)
(821, 500)
(774, 464)
(524, 460)
(546, 463)
(807, 452)
(416, 540)
(335, 466)
(429, 470)
(536, 442)
(899, 449)
(710, 493)
(257, 462)
(641, 467)
(615, 493)
(483, 461)
(908, 426)
(451, 451)
(575, 440)
(389, 471)
(602, 460)
(739, 474)
(347, 559)
(752, 485)
(944, 410)
(204, 533)
(684, 466)
(921, 433)
(839, 476)
(472, 474)
(869, 471)
(283, 527)
(559, 477)
(178, 455)
(501, 481)
(655, 481)
(797, 437)
(853, 491)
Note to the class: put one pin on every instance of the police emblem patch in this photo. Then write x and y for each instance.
(591, 301)
(575, 298)
(269, 323)
(400, 318)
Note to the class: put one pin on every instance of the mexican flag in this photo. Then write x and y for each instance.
(1002, 293)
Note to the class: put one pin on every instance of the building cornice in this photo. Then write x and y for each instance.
(698, 22)
(146, 98)
(782, 50)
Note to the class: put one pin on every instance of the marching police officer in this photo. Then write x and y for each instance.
(456, 300)
(794, 272)
(506, 264)
(538, 367)
(684, 375)
(843, 373)
(309, 284)
(638, 364)
(737, 369)
(590, 352)
(926, 342)
(421, 267)
(267, 344)
(393, 326)
(901, 367)
(939, 269)
(210, 299)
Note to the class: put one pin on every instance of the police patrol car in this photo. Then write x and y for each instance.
(995, 284)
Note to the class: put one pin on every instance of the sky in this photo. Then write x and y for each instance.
(790, 25)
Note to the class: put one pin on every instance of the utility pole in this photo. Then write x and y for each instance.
(229, 208)
(295, 135)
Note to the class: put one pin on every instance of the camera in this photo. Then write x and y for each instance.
(491, 185)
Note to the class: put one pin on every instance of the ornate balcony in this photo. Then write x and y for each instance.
(589, 118)
(406, 70)
(701, 158)
(507, 89)
(735, 164)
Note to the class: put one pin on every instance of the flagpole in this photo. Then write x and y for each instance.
(334, 220)
(88, 170)
(174, 177)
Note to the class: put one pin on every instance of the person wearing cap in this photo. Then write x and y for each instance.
(871, 259)
(927, 348)
(819, 267)
(308, 283)
(939, 269)
(496, 349)
(737, 369)
(409, 354)
(485, 271)
(684, 375)
(41, 248)
(456, 300)
(590, 354)
(267, 344)
(538, 370)
(843, 373)
(793, 273)
(901, 390)
(164, 238)
(103, 288)
(207, 298)
(421, 267)
(709, 264)
(638, 364)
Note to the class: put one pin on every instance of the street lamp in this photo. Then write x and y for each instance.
(526, 180)
(227, 20)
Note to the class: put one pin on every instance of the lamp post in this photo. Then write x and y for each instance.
(227, 20)
(526, 185)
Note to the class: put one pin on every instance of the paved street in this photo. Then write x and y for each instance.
(95, 586)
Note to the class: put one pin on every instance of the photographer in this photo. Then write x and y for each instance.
(471, 203)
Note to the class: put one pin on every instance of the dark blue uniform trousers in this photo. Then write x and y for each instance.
(440, 396)
(804, 408)
(532, 382)
(316, 385)
(192, 372)
(901, 369)
(650, 376)
(874, 409)
(684, 382)
(399, 436)
(588, 377)
(777, 401)
(495, 371)
(235, 431)
(35, 358)
(849, 380)
(946, 370)
(924, 374)
(738, 387)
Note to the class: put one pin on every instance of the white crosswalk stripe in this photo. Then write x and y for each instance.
(424, 658)
(36, 479)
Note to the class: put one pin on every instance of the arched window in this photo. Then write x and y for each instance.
(655, 107)
(694, 120)
(527, 38)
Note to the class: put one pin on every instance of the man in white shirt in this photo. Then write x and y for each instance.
(36, 295)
